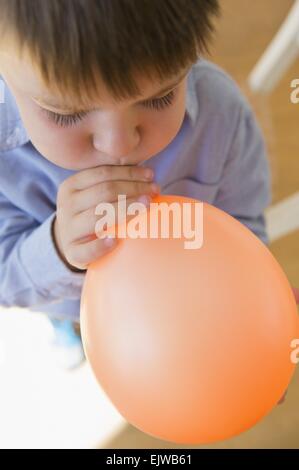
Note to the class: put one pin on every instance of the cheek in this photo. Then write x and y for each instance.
(164, 128)
(61, 146)
(64, 147)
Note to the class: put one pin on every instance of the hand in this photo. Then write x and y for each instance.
(77, 198)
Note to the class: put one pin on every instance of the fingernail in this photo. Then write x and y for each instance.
(155, 188)
(146, 200)
(109, 241)
(149, 174)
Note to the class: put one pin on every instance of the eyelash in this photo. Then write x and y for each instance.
(66, 120)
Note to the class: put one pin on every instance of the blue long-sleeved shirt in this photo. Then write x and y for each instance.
(218, 156)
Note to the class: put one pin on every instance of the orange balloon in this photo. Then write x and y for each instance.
(190, 345)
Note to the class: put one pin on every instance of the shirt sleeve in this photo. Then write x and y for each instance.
(245, 188)
(31, 271)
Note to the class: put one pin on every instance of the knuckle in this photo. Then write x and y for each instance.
(141, 187)
(104, 172)
(59, 211)
(76, 258)
(109, 189)
(132, 172)
(60, 193)
(63, 190)
(72, 203)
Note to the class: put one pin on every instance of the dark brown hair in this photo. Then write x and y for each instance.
(74, 42)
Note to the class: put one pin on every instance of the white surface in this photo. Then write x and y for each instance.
(278, 56)
(42, 406)
(283, 217)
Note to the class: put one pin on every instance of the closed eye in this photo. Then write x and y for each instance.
(67, 120)
(160, 103)
(64, 120)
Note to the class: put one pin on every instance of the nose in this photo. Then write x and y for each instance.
(117, 139)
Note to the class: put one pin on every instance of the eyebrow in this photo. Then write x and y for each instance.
(57, 105)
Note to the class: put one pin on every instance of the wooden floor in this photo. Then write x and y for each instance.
(243, 32)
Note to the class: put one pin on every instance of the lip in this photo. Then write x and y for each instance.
(126, 162)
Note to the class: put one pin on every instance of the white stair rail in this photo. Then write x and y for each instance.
(278, 56)
(283, 218)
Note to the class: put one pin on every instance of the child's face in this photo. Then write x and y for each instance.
(113, 133)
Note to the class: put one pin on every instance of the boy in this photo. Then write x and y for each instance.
(104, 98)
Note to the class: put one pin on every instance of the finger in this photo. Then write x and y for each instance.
(83, 224)
(122, 217)
(92, 176)
(85, 253)
(109, 192)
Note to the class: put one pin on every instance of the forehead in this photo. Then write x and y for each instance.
(24, 74)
